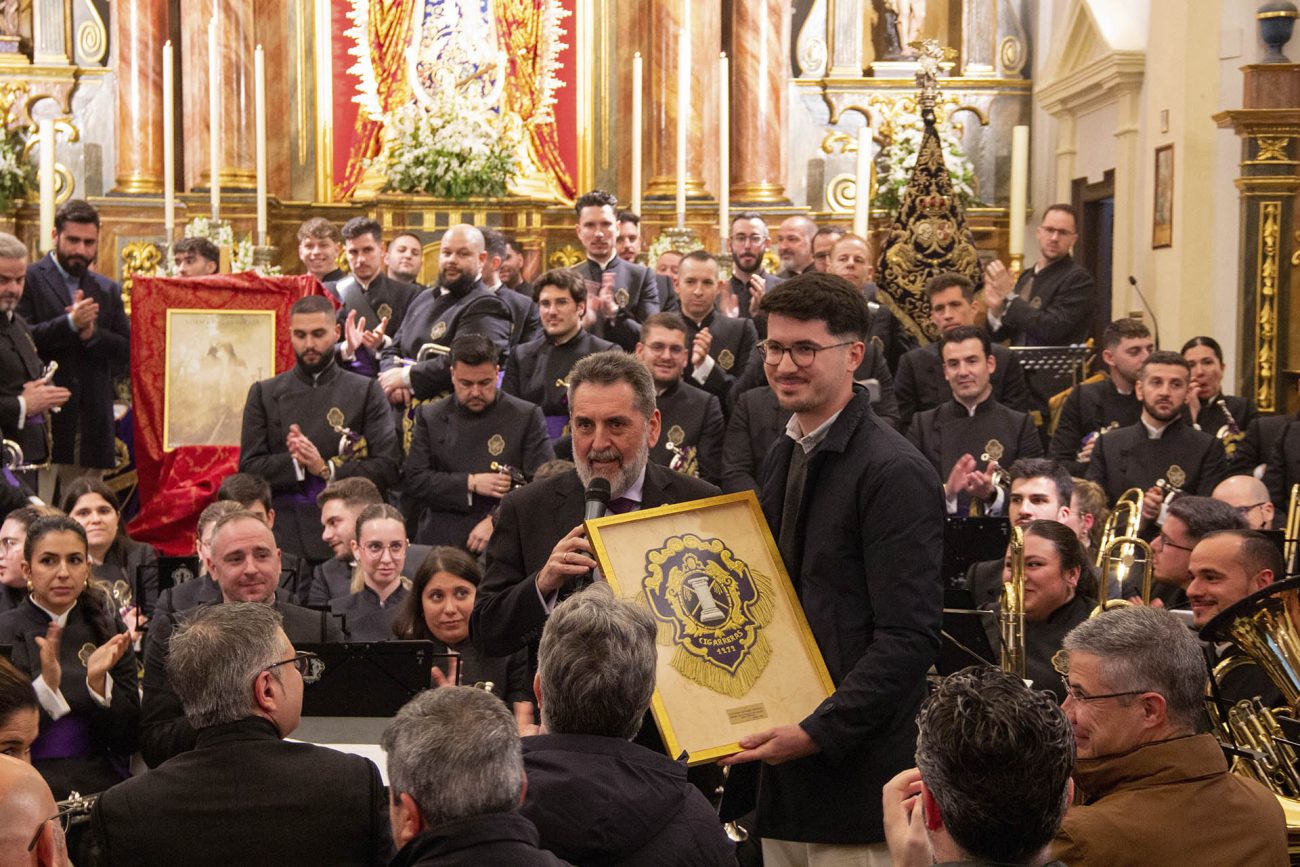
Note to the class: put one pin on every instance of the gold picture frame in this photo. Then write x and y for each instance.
(212, 359)
(736, 655)
(1162, 220)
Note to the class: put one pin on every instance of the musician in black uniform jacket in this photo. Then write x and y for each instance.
(962, 436)
(1283, 467)
(748, 243)
(294, 427)
(1207, 406)
(720, 346)
(460, 304)
(526, 324)
(449, 473)
(620, 294)
(919, 383)
(536, 371)
(246, 566)
(538, 553)
(1161, 445)
(370, 298)
(1093, 409)
(690, 418)
(756, 422)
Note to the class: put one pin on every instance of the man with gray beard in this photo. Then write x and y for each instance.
(539, 553)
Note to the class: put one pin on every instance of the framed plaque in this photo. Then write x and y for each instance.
(213, 358)
(736, 655)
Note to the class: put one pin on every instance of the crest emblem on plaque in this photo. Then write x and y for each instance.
(713, 609)
(1176, 476)
(335, 418)
(726, 360)
(496, 445)
(676, 434)
(385, 312)
(993, 451)
(438, 330)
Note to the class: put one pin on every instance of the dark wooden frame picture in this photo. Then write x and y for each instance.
(1162, 217)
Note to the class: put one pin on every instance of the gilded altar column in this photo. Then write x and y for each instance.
(760, 75)
(1269, 127)
(139, 30)
(661, 41)
(235, 28)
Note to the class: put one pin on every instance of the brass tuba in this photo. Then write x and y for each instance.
(1011, 613)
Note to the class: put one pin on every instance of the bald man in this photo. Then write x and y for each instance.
(794, 244)
(27, 806)
(459, 304)
(1249, 496)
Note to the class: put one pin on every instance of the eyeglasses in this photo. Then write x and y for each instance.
(1074, 694)
(1063, 233)
(1244, 511)
(661, 348)
(802, 354)
(309, 665)
(377, 549)
(63, 817)
(752, 240)
(1166, 542)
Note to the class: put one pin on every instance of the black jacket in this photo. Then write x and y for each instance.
(1089, 408)
(1059, 309)
(19, 365)
(948, 431)
(867, 571)
(1188, 459)
(756, 422)
(244, 796)
(919, 383)
(437, 316)
(1262, 432)
(690, 417)
(636, 289)
(605, 801)
(731, 347)
(1283, 470)
(496, 839)
(534, 368)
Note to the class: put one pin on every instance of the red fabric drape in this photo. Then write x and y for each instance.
(176, 486)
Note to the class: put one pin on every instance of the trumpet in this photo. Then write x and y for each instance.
(429, 350)
(1229, 434)
(1011, 613)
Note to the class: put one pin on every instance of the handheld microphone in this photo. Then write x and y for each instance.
(597, 499)
(1155, 325)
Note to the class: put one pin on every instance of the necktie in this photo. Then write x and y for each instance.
(794, 481)
(621, 505)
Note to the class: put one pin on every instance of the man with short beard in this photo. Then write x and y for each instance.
(748, 244)
(77, 320)
(691, 418)
(511, 271)
(460, 304)
(794, 245)
(294, 425)
(539, 552)
(1161, 445)
(374, 303)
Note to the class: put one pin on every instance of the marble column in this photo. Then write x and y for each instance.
(760, 75)
(660, 49)
(235, 26)
(139, 31)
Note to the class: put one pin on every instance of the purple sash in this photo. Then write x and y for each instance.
(66, 738)
(556, 426)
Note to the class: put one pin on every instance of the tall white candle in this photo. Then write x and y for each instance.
(45, 163)
(169, 142)
(724, 149)
(1019, 188)
(683, 106)
(862, 202)
(259, 96)
(214, 118)
(638, 73)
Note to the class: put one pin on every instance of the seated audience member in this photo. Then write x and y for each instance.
(380, 551)
(690, 417)
(438, 609)
(455, 780)
(756, 422)
(67, 638)
(919, 382)
(195, 257)
(971, 423)
(1059, 595)
(20, 713)
(1187, 521)
(319, 245)
(1088, 513)
(1096, 408)
(992, 780)
(13, 533)
(32, 830)
(254, 494)
(246, 566)
(244, 795)
(595, 677)
(450, 481)
(1249, 496)
(124, 567)
(1208, 407)
(1149, 789)
(202, 587)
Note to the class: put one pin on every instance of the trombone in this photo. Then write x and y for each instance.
(1117, 552)
(1292, 536)
(1011, 613)
(429, 350)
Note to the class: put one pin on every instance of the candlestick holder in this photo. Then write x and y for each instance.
(264, 257)
(681, 238)
(1017, 264)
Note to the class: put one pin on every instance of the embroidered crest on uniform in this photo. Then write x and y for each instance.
(711, 607)
(439, 329)
(1035, 302)
(676, 434)
(385, 312)
(1176, 476)
(83, 655)
(496, 445)
(621, 297)
(993, 451)
(726, 359)
(335, 418)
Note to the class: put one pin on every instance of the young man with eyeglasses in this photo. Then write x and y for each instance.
(1148, 788)
(690, 418)
(1187, 521)
(858, 517)
(748, 244)
(243, 794)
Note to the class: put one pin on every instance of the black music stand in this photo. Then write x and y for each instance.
(1059, 361)
(971, 540)
(368, 679)
(965, 640)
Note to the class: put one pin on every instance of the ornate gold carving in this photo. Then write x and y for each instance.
(64, 182)
(138, 257)
(1295, 257)
(842, 193)
(10, 92)
(1270, 234)
(566, 257)
(1011, 54)
(92, 38)
(1272, 149)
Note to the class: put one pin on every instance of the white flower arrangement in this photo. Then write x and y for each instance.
(17, 174)
(896, 160)
(221, 233)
